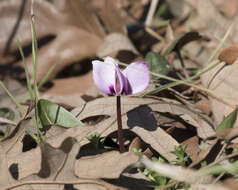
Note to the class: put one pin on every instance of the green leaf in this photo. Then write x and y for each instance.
(228, 122)
(53, 114)
(94, 139)
(157, 63)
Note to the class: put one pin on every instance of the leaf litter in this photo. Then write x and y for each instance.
(183, 129)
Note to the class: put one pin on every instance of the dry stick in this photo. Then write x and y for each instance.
(154, 34)
(119, 124)
(149, 19)
(151, 12)
(218, 178)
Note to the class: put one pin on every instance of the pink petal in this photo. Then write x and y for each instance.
(104, 75)
(138, 77)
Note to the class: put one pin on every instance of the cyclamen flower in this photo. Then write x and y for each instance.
(111, 80)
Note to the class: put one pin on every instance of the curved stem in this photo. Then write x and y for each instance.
(119, 123)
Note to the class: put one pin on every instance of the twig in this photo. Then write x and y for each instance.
(221, 151)
(218, 178)
(154, 34)
(151, 12)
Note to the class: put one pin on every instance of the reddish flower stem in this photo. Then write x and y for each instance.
(119, 124)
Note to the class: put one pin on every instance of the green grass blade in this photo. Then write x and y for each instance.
(178, 82)
(46, 76)
(12, 97)
(30, 90)
(185, 81)
(220, 44)
(34, 55)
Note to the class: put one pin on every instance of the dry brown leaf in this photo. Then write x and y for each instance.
(135, 144)
(228, 8)
(71, 28)
(115, 42)
(227, 134)
(67, 171)
(28, 163)
(78, 133)
(214, 25)
(69, 91)
(224, 84)
(52, 164)
(192, 147)
(107, 165)
(12, 145)
(57, 165)
(232, 184)
(137, 117)
(5, 176)
(202, 123)
(109, 13)
(204, 153)
(207, 13)
(134, 9)
(203, 105)
(65, 50)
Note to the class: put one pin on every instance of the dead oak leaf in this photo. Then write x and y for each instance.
(137, 117)
(71, 28)
(106, 165)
